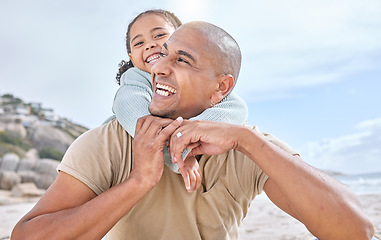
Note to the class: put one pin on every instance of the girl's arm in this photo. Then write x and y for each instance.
(131, 103)
(232, 109)
(132, 98)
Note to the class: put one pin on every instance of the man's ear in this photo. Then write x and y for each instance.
(226, 84)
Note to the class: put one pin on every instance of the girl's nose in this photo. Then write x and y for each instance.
(150, 45)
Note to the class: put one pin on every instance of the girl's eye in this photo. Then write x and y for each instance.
(162, 54)
(160, 35)
(137, 44)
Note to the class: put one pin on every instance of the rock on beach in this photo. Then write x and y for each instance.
(13, 171)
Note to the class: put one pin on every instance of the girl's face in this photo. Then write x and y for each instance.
(148, 34)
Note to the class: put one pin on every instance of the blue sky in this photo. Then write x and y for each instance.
(310, 74)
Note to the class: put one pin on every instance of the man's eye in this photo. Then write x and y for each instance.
(183, 61)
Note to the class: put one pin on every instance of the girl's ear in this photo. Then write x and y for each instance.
(226, 84)
(132, 60)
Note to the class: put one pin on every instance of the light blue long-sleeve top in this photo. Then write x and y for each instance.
(135, 93)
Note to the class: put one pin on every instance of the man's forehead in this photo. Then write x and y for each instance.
(188, 40)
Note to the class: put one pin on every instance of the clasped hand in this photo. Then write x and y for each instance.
(202, 137)
(153, 133)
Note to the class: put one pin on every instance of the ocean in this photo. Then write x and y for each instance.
(367, 183)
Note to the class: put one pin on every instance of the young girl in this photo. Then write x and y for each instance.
(145, 37)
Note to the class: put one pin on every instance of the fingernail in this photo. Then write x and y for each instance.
(174, 159)
(179, 119)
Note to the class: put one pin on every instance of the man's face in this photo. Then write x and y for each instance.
(183, 81)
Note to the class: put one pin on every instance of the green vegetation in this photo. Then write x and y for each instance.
(13, 139)
(16, 114)
(9, 148)
(12, 99)
(52, 153)
(33, 110)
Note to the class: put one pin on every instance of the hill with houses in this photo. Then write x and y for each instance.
(33, 140)
(29, 126)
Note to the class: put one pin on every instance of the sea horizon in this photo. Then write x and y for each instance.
(362, 183)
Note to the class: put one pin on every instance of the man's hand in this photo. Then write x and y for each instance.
(151, 135)
(203, 137)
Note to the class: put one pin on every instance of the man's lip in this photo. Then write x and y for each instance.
(162, 88)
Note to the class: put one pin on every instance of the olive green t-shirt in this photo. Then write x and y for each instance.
(102, 158)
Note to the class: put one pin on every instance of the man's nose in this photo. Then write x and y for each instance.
(162, 67)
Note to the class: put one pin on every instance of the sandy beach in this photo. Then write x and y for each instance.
(264, 220)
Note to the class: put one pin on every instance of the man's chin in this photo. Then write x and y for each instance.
(163, 113)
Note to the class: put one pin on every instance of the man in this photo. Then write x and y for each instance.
(100, 188)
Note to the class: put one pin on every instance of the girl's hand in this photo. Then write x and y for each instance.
(191, 174)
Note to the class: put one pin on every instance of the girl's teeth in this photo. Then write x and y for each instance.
(152, 58)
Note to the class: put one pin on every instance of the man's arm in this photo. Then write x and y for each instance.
(71, 210)
(327, 208)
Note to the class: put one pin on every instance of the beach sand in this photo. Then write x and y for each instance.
(264, 219)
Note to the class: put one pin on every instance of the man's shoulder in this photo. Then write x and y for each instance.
(107, 131)
(276, 141)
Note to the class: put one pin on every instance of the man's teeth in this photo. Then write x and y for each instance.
(164, 90)
(163, 93)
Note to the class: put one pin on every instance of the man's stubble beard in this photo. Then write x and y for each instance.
(162, 113)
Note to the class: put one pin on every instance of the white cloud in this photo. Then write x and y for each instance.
(369, 124)
(291, 44)
(195, 10)
(65, 53)
(355, 153)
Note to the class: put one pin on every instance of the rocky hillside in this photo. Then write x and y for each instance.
(33, 140)
(26, 126)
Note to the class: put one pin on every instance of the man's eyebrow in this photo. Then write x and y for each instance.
(184, 53)
(181, 52)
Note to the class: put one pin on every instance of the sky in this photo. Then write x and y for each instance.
(311, 70)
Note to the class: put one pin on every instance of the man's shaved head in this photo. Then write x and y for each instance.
(227, 54)
(200, 63)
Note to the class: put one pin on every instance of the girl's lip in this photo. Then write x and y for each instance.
(153, 57)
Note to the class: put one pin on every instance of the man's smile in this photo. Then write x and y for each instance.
(164, 90)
